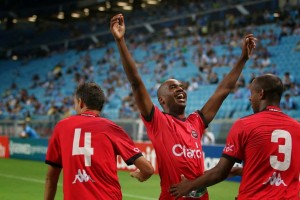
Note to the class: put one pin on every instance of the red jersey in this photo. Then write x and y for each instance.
(268, 143)
(86, 146)
(177, 143)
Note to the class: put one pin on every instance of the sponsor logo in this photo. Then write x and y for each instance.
(228, 148)
(27, 149)
(179, 150)
(275, 179)
(149, 154)
(82, 177)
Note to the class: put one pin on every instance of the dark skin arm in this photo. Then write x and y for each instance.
(117, 28)
(51, 182)
(145, 104)
(210, 177)
(212, 106)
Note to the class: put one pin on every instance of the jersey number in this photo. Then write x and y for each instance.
(286, 149)
(86, 150)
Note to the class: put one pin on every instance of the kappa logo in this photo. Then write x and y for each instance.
(275, 179)
(82, 177)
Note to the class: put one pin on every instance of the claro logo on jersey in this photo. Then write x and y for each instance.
(181, 150)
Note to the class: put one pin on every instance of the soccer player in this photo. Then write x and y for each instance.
(175, 137)
(85, 146)
(268, 143)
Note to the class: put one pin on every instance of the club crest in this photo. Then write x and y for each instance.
(194, 134)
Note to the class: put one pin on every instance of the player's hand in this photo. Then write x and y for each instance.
(248, 45)
(181, 189)
(138, 175)
(235, 171)
(117, 26)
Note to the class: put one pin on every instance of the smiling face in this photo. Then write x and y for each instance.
(172, 97)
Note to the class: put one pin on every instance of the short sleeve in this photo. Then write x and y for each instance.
(53, 156)
(234, 147)
(153, 126)
(124, 146)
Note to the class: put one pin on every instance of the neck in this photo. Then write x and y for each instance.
(176, 114)
(264, 105)
(94, 112)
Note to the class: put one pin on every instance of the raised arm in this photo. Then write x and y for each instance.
(212, 106)
(142, 98)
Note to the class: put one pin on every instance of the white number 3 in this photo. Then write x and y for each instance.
(86, 150)
(286, 149)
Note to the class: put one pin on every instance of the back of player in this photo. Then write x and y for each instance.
(271, 153)
(86, 146)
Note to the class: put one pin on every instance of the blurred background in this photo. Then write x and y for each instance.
(49, 47)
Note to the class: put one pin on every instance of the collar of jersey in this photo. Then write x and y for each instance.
(182, 119)
(273, 108)
(89, 114)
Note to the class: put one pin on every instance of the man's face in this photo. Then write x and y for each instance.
(255, 97)
(173, 94)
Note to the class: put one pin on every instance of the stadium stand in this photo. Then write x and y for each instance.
(41, 87)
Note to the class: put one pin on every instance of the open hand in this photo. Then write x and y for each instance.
(181, 189)
(248, 45)
(117, 26)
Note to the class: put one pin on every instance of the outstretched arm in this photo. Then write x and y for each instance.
(212, 106)
(142, 98)
(210, 177)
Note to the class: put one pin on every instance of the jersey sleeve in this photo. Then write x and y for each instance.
(234, 147)
(124, 146)
(152, 123)
(53, 156)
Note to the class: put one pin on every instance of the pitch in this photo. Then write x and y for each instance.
(24, 179)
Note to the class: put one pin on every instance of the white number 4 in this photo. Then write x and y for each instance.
(86, 150)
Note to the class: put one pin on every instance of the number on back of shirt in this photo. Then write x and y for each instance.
(87, 151)
(285, 149)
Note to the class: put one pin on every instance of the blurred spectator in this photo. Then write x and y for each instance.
(28, 131)
(287, 80)
(208, 137)
(287, 102)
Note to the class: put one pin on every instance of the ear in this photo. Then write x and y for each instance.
(81, 104)
(161, 100)
(262, 94)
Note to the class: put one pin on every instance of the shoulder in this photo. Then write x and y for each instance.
(198, 116)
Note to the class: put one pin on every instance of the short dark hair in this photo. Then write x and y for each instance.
(272, 86)
(91, 94)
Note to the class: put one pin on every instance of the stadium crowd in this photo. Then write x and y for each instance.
(18, 102)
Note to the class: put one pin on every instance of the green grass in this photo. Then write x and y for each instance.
(24, 179)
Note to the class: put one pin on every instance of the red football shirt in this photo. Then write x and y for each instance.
(268, 143)
(86, 146)
(177, 143)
